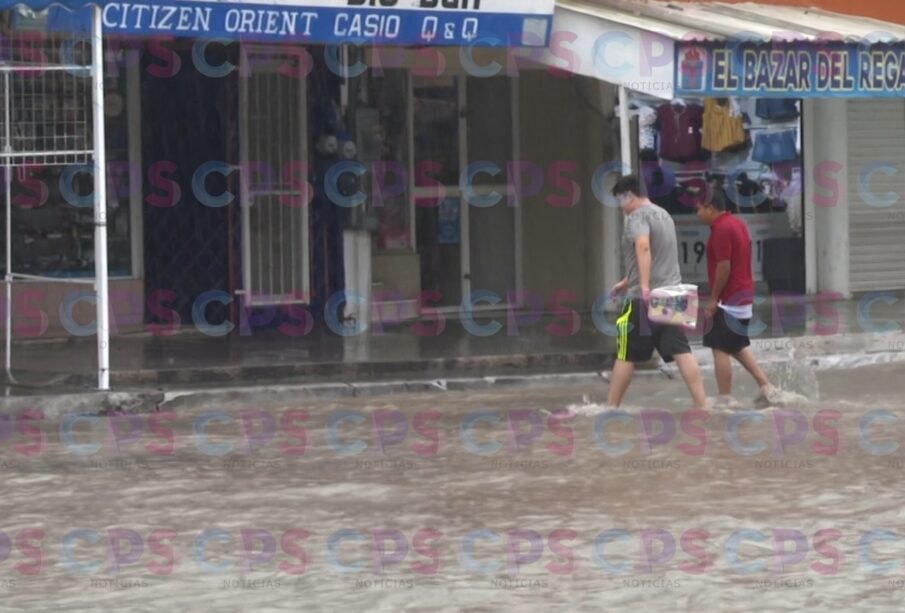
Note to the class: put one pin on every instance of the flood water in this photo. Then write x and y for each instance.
(465, 502)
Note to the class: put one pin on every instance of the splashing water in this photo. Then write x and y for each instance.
(587, 408)
(795, 380)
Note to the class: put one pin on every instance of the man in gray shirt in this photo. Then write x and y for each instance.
(651, 261)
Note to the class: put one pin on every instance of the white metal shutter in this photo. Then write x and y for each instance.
(876, 135)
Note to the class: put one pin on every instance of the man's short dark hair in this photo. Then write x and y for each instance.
(716, 196)
(627, 183)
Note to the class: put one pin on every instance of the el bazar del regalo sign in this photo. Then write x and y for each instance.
(791, 69)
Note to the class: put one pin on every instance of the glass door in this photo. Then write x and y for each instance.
(467, 231)
(491, 261)
(438, 209)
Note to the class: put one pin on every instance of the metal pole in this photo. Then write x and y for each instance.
(625, 136)
(9, 234)
(100, 201)
(612, 216)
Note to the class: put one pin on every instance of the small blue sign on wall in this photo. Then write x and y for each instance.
(448, 222)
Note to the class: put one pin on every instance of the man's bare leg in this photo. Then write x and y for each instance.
(688, 366)
(619, 381)
(722, 366)
(746, 358)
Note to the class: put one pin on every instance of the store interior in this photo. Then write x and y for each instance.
(750, 149)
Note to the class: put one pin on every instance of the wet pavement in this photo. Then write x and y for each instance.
(466, 502)
(497, 341)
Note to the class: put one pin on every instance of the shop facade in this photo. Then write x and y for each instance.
(236, 162)
(497, 162)
(796, 113)
(853, 109)
(264, 183)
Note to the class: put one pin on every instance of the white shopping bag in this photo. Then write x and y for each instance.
(674, 305)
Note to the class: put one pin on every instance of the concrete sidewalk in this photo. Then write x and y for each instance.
(324, 364)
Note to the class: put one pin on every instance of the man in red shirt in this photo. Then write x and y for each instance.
(730, 307)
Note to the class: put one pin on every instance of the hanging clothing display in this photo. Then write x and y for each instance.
(772, 147)
(660, 186)
(680, 131)
(722, 129)
(748, 195)
(647, 134)
(792, 194)
(776, 109)
(749, 150)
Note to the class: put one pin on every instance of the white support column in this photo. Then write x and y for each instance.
(827, 170)
(611, 215)
(100, 201)
(809, 152)
(357, 257)
(8, 278)
(625, 136)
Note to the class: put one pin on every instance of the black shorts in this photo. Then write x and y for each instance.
(727, 334)
(638, 337)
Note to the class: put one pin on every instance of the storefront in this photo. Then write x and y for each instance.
(796, 113)
(499, 155)
(854, 125)
(262, 161)
(241, 140)
(749, 149)
(439, 144)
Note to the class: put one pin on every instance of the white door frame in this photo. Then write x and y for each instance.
(456, 192)
(246, 50)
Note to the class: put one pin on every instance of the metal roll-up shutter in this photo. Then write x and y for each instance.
(876, 140)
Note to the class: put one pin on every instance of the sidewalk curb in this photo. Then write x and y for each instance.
(294, 393)
(53, 406)
(316, 372)
(819, 353)
(99, 403)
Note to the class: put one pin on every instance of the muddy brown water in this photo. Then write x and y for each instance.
(465, 501)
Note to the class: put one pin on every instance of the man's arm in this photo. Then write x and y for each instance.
(722, 253)
(642, 253)
(721, 278)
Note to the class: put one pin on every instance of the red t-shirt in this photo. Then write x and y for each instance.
(730, 240)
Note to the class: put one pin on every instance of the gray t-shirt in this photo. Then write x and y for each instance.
(653, 221)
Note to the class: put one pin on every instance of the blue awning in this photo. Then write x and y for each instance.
(489, 23)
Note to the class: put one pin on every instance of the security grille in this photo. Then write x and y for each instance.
(275, 209)
(47, 97)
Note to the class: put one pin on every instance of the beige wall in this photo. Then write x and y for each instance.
(36, 308)
(564, 119)
(398, 273)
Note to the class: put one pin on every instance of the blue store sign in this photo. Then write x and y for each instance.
(792, 69)
(487, 23)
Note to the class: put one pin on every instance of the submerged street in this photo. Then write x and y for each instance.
(464, 501)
